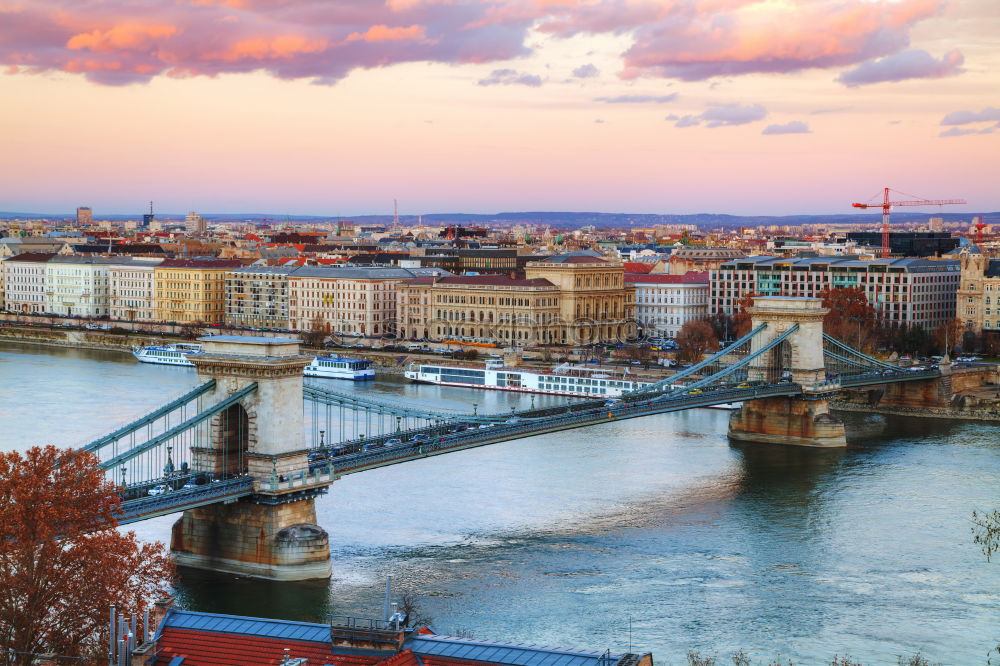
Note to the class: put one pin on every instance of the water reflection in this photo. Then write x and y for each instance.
(559, 539)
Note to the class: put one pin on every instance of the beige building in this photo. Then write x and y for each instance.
(595, 304)
(566, 299)
(347, 300)
(190, 291)
(493, 308)
(132, 288)
(978, 296)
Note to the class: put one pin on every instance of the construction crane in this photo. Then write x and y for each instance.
(979, 225)
(887, 205)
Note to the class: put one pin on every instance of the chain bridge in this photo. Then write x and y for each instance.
(244, 454)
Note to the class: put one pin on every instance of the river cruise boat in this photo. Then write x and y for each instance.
(571, 380)
(167, 354)
(338, 367)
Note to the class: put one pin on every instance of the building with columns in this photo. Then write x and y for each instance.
(595, 304)
(566, 299)
(977, 303)
(496, 308)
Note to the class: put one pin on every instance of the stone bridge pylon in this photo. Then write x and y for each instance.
(805, 419)
(273, 532)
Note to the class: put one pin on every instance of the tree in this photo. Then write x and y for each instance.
(742, 320)
(317, 332)
(851, 319)
(986, 531)
(694, 339)
(62, 562)
(722, 325)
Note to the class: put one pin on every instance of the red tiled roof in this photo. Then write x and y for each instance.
(201, 263)
(496, 281)
(214, 648)
(637, 267)
(691, 277)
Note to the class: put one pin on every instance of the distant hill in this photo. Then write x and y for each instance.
(557, 219)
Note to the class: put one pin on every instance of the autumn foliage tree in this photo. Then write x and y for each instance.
(742, 320)
(694, 339)
(63, 563)
(851, 319)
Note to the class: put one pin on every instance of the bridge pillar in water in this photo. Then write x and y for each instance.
(273, 533)
(801, 420)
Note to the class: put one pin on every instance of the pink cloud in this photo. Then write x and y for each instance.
(126, 42)
(915, 64)
(383, 33)
(700, 39)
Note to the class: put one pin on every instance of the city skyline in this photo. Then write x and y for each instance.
(724, 106)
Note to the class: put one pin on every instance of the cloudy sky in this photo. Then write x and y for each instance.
(335, 107)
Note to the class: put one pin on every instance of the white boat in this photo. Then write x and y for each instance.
(576, 381)
(338, 367)
(167, 354)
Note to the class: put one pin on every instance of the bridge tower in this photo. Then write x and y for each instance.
(273, 533)
(802, 420)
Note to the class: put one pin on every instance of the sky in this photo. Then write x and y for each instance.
(337, 107)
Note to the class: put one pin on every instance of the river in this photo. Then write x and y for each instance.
(656, 523)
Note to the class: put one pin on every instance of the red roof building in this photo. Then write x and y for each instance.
(187, 638)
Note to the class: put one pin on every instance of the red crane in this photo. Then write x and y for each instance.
(887, 205)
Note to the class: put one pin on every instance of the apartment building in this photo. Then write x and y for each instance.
(903, 291)
(258, 297)
(24, 282)
(664, 303)
(192, 290)
(132, 287)
(348, 300)
(78, 286)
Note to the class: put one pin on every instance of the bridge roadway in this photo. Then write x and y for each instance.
(351, 457)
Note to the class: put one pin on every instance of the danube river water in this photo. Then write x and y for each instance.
(656, 523)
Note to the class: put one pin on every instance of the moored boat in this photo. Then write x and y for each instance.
(340, 367)
(569, 380)
(176, 354)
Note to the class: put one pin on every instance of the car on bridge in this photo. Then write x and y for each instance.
(159, 490)
(392, 441)
(695, 392)
(419, 438)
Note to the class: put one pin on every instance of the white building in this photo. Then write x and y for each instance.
(78, 286)
(133, 289)
(663, 303)
(24, 282)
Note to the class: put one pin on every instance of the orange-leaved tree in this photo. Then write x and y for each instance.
(851, 318)
(63, 563)
(741, 320)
